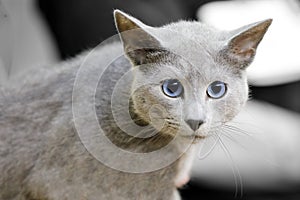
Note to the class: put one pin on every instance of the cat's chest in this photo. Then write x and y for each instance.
(184, 167)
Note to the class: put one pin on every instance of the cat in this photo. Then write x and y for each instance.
(153, 95)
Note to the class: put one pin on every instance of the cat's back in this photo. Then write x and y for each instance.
(48, 85)
(34, 99)
(36, 116)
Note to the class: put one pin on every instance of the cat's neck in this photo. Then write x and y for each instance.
(126, 141)
(107, 120)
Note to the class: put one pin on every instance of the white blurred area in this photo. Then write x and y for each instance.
(267, 154)
(24, 38)
(277, 59)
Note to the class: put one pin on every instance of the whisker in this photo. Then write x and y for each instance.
(231, 138)
(237, 130)
(129, 122)
(209, 151)
(173, 126)
(173, 123)
(227, 132)
(149, 130)
(236, 173)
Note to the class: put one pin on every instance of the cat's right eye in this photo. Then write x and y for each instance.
(172, 88)
(216, 90)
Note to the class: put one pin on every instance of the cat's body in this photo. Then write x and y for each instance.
(46, 159)
(42, 156)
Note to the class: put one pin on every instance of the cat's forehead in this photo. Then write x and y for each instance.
(185, 34)
(193, 30)
(193, 41)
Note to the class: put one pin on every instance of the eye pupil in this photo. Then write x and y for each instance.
(172, 88)
(216, 90)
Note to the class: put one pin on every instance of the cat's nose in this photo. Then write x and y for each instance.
(194, 124)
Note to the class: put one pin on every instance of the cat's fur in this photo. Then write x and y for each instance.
(41, 154)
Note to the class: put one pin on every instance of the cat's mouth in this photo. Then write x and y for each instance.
(200, 137)
(195, 135)
(195, 138)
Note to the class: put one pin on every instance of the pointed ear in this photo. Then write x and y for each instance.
(137, 42)
(241, 48)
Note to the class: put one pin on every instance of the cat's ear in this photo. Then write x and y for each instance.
(137, 41)
(240, 49)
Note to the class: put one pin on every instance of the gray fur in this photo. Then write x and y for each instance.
(41, 155)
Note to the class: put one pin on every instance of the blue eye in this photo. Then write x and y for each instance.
(172, 88)
(216, 90)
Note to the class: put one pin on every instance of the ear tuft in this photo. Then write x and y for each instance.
(241, 48)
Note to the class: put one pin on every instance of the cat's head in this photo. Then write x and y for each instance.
(187, 74)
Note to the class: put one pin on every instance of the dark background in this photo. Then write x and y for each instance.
(82, 24)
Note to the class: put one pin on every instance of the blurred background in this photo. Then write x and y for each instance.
(38, 32)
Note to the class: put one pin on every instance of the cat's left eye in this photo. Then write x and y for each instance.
(172, 88)
(216, 90)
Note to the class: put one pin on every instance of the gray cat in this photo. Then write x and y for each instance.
(183, 82)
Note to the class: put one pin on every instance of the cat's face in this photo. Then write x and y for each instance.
(189, 78)
(189, 98)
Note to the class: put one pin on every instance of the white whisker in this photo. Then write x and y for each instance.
(201, 157)
(236, 173)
